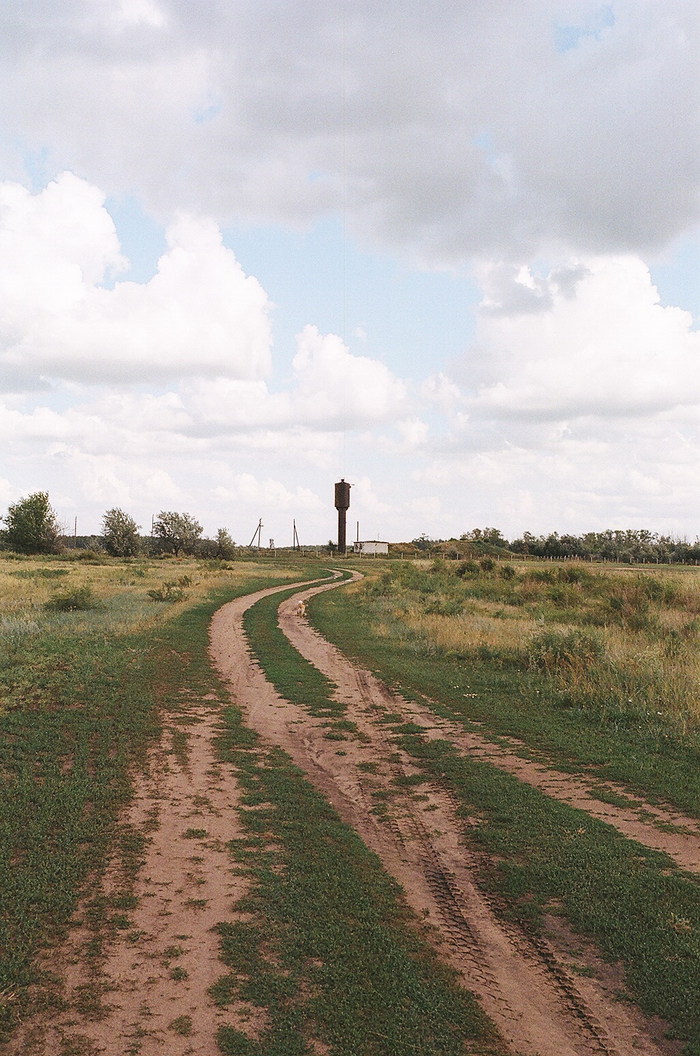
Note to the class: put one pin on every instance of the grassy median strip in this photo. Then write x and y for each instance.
(77, 712)
(291, 674)
(327, 950)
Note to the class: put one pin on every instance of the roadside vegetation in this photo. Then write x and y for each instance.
(593, 667)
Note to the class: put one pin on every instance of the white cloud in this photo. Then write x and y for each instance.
(607, 349)
(582, 413)
(199, 315)
(331, 390)
(336, 387)
(483, 129)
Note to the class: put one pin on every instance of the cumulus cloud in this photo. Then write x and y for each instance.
(609, 348)
(582, 413)
(479, 130)
(331, 390)
(199, 315)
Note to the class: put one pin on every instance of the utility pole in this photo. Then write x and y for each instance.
(258, 532)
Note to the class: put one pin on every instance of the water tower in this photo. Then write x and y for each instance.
(342, 503)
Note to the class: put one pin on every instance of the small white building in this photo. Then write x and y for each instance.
(371, 546)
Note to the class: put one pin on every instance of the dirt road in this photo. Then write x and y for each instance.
(528, 988)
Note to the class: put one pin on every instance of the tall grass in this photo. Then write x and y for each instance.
(625, 645)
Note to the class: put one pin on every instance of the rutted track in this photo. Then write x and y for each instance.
(524, 985)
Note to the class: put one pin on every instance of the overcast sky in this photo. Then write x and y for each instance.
(447, 250)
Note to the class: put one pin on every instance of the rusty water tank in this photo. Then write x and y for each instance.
(342, 495)
(342, 502)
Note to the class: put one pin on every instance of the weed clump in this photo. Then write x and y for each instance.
(15, 630)
(571, 650)
(168, 592)
(78, 599)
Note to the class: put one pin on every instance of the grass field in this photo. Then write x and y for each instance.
(82, 692)
(436, 635)
(596, 668)
(603, 675)
(329, 950)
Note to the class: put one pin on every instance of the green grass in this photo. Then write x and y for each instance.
(507, 699)
(329, 949)
(77, 713)
(636, 906)
(293, 677)
(349, 964)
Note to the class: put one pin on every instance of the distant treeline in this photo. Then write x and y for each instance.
(633, 545)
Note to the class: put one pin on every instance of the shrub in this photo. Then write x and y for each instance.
(169, 592)
(72, 600)
(507, 572)
(32, 527)
(176, 532)
(571, 650)
(487, 564)
(121, 533)
(629, 606)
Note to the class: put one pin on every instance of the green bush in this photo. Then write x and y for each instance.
(72, 600)
(565, 650)
(169, 592)
(32, 526)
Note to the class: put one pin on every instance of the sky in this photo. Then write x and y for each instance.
(447, 251)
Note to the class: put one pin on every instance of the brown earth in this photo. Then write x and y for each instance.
(149, 995)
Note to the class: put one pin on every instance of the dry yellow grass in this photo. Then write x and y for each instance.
(120, 590)
(647, 622)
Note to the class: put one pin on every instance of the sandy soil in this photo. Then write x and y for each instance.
(532, 990)
(150, 994)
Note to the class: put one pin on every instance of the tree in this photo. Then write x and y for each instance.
(225, 546)
(121, 533)
(32, 525)
(177, 532)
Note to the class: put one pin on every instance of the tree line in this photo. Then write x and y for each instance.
(32, 527)
(630, 545)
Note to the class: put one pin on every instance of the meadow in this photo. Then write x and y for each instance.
(595, 672)
(622, 644)
(93, 668)
(89, 663)
(598, 666)
(592, 668)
